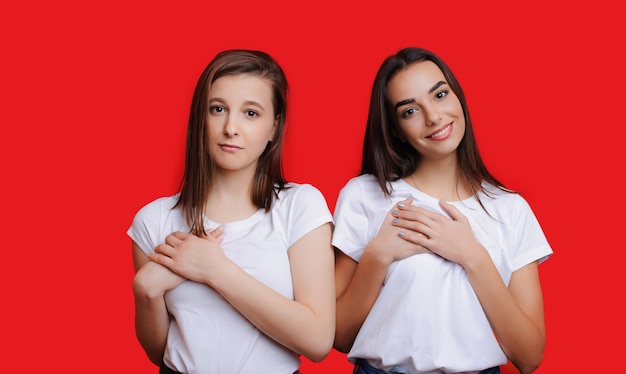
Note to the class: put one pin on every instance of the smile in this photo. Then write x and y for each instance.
(441, 134)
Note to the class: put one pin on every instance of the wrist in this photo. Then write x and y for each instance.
(476, 258)
(376, 253)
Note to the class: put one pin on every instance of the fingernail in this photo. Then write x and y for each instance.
(401, 233)
(394, 221)
(394, 212)
(400, 205)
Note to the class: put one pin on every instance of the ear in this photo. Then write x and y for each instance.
(276, 121)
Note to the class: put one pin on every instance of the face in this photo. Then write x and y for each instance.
(428, 112)
(240, 121)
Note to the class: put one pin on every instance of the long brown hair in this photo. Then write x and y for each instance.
(199, 167)
(389, 158)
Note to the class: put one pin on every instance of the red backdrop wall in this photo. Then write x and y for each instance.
(94, 107)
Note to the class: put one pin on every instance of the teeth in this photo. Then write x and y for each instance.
(440, 132)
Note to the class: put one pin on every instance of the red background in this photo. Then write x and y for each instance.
(94, 106)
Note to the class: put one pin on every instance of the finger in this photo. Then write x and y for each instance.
(203, 234)
(179, 235)
(451, 210)
(161, 259)
(199, 233)
(405, 203)
(412, 226)
(163, 249)
(414, 237)
(412, 213)
(217, 232)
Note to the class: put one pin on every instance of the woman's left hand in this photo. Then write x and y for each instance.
(189, 255)
(449, 237)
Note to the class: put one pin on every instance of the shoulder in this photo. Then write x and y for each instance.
(298, 189)
(360, 184)
(302, 205)
(153, 220)
(505, 203)
(155, 208)
(301, 194)
(494, 193)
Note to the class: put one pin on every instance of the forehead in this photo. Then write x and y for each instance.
(414, 80)
(242, 87)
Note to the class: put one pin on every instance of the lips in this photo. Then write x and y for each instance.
(230, 147)
(442, 133)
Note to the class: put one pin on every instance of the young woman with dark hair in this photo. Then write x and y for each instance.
(436, 260)
(234, 274)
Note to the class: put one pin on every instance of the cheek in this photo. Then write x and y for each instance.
(459, 126)
(456, 107)
(213, 129)
(411, 127)
(265, 131)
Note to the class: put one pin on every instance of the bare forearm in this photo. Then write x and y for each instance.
(356, 301)
(277, 316)
(521, 337)
(151, 325)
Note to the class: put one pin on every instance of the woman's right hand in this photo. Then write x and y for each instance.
(153, 279)
(389, 243)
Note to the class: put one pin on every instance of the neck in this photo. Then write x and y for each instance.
(229, 198)
(440, 179)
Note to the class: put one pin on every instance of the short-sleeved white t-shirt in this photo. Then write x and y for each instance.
(427, 318)
(206, 334)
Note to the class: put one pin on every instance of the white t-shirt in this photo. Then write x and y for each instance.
(206, 334)
(427, 318)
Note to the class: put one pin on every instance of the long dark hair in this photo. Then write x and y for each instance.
(389, 158)
(199, 167)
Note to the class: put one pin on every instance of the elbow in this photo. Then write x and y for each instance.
(317, 345)
(530, 364)
(528, 368)
(318, 352)
(155, 359)
(154, 352)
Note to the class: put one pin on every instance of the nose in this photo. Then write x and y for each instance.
(230, 126)
(433, 116)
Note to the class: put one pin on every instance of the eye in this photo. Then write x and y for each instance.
(216, 109)
(441, 94)
(251, 113)
(408, 113)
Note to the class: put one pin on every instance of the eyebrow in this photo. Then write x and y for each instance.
(409, 101)
(245, 103)
(437, 85)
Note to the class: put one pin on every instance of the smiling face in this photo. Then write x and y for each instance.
(428, 112)
(240, 121)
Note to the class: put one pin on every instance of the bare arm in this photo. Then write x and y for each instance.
(514, 313)
(150, 283)
(151, 317)
(305, 325)
(358, 284)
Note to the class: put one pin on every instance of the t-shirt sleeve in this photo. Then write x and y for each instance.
(145, 226)
(529, 241)
(310, 210)
(351, 222)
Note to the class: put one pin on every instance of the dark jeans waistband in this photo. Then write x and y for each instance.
(363, 367)
(166, 370)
